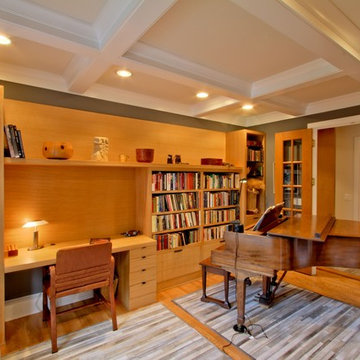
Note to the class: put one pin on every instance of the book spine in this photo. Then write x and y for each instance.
(6, 145)
(19, 143)
(10, 141)
(14, 142)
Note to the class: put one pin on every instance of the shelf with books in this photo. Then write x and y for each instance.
(217, 216)
(246, 148)
(13, 143)
(190, 210)
(212, 233)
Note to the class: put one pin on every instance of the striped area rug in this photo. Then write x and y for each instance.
(299, 325)
(152, 332)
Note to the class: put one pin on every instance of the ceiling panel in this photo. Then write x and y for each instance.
(326, 89)
(83, 10)
(148, 84)
(225, 38)
(32, 55)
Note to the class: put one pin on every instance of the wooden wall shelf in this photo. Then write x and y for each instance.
(157, 167)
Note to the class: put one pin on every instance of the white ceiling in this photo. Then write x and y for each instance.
(287, 57)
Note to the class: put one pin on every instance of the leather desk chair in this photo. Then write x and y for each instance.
(79, 269)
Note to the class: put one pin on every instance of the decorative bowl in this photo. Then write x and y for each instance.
(145, 155)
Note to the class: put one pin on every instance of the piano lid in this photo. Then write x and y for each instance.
(311, 227)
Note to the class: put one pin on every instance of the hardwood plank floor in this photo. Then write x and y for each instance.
(30, 330)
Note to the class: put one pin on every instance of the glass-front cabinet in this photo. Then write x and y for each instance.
(293, 171)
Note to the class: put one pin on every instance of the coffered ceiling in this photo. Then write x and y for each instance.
(288, 58)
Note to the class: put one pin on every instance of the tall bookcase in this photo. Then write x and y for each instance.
(246, 149)
(189, 208)
(293, 166)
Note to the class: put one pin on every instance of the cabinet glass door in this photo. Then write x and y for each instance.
(293, 171)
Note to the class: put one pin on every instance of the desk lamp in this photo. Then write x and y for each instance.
(35, 224)
(242, 181)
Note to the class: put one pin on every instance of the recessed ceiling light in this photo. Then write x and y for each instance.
(124, 73)
(202, 95)
(4, 40)
(247, 107)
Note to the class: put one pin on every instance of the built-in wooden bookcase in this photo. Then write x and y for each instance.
(293, 165)
(190, 209)
(246, 149)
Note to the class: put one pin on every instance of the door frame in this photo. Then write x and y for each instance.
(346, 121)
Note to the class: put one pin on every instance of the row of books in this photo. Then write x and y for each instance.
(13, 144)
(169, 181)
(255, 155)
(174, 202)
(174, 221)
(174, 240)
(216, 232)
(222, 198)
(222, 181)
(217, 216)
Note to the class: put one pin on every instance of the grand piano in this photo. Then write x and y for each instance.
(278, 243)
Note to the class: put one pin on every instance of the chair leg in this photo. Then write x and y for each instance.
(53, 330)
(45, 306)
(112, 305)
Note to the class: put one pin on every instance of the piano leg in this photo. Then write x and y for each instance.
(240, 301)
(269, 287)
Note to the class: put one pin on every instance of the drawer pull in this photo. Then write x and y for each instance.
(222, 240)
(144, 282)
(178, 250)
(143, 269)
(143, 257)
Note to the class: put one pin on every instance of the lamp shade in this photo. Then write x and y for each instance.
(34, 223)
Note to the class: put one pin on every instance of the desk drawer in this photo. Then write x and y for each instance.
(143, 288)
(142, 275)
(145, 262)
(143, 300)
(142, 251)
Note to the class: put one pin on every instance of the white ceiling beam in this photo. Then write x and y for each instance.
(327, 18)
(33, 16)
(299, 76)
(216, 103)
(132, 28)
(37, 36)
(280, 17)
(286, 105)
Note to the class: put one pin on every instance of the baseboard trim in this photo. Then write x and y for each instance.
(32, 304)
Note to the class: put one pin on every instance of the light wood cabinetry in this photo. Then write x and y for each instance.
(190, 208)
(293, 168)
(81, 198)
(246, 149)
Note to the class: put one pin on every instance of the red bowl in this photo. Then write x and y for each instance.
(145, 155)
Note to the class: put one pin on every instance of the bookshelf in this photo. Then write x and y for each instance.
(293, 166)
(190, 210)
(246, 149)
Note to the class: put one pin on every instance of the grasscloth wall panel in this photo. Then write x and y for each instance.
(40, 123)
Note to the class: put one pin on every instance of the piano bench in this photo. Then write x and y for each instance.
(207, 266)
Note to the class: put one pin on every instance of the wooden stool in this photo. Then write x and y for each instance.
(207, 266)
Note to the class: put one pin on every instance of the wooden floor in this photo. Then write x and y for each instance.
(24, 332)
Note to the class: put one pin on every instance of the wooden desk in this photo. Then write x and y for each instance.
(135, 259)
